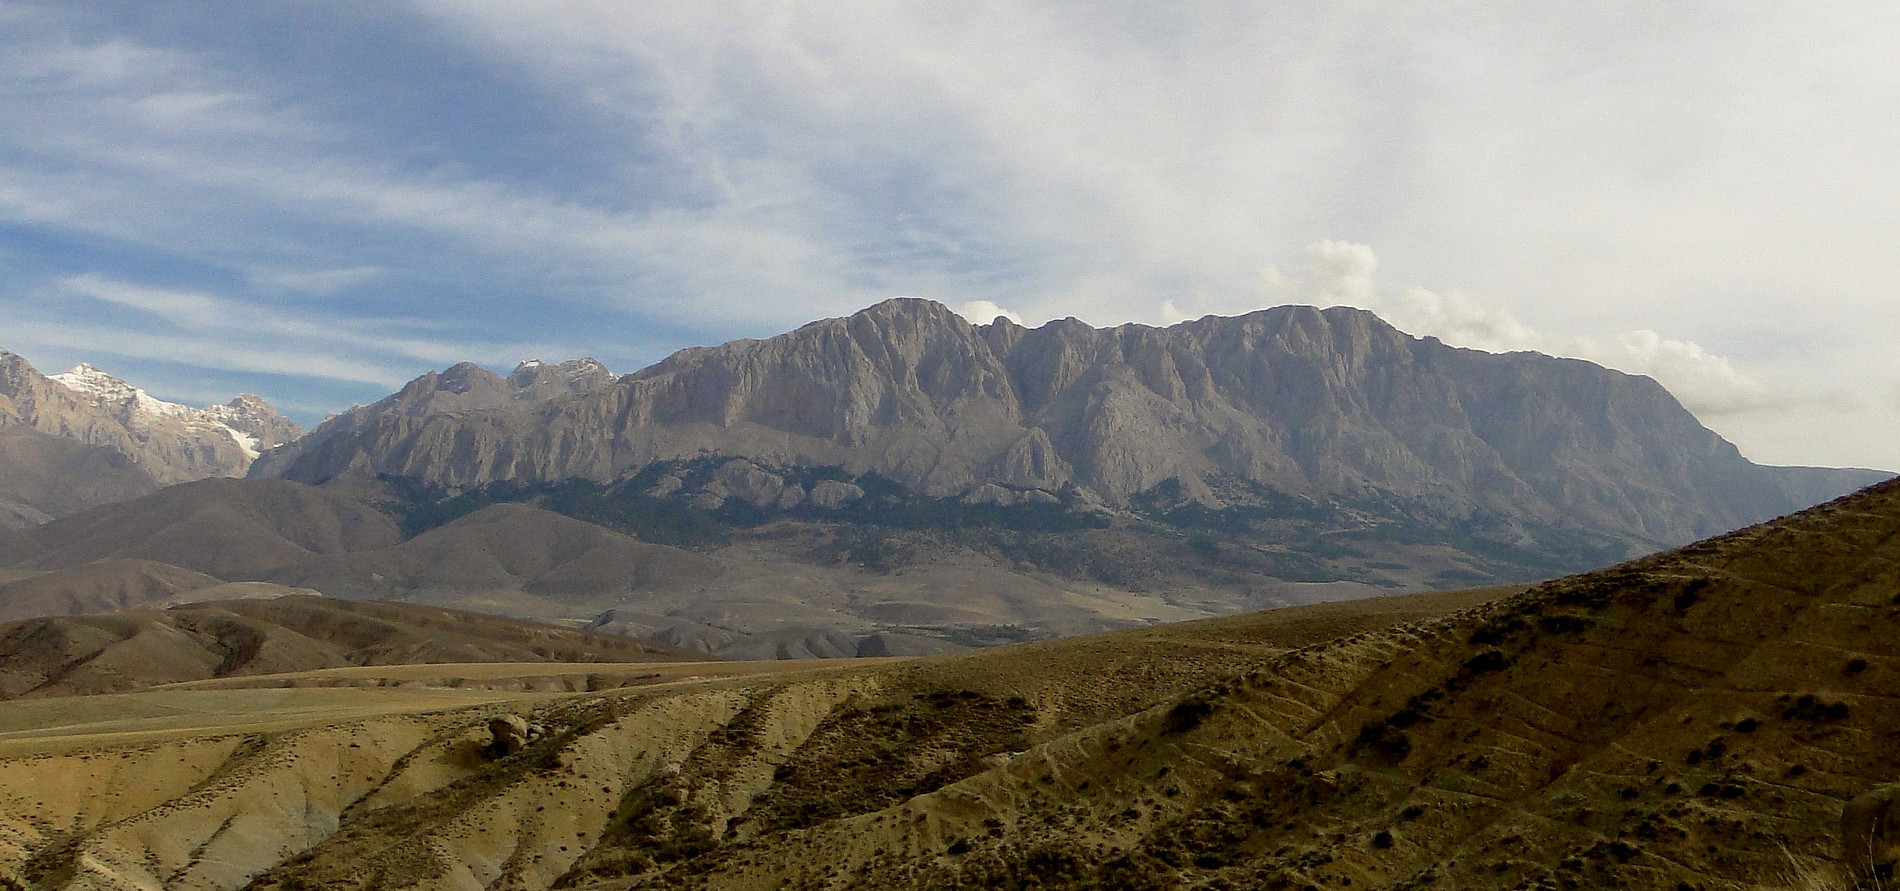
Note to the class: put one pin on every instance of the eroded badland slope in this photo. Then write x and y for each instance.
(1695, 719)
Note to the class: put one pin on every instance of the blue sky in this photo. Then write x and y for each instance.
(318, 201)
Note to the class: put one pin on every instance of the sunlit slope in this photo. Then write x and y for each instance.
(1697, 718)
(137, 791)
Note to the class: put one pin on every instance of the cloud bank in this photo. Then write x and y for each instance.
(620, 181)
(1707, 384)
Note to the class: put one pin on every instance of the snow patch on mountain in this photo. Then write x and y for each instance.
(249, 421)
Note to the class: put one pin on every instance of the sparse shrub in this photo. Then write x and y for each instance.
(1691, 594)
(1405, 717)
(1563, 623)
(1384, 740)
(1484, 663)
(1812, 708)
(1382, 839)
(1855, 666)
(1187, 715)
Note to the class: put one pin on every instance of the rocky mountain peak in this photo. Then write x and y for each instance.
(1296, 401)
(459, 389)
(170, 442)
(535, 381)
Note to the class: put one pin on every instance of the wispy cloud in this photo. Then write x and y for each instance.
(201, 329)
(606, 179)
(1708, 384)
(1342, 273)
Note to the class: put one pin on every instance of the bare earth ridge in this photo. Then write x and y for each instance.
(1697, 718)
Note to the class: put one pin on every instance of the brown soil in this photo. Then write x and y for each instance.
(1696, 719)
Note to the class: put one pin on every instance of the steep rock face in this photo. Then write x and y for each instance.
(462, 388)
(1303, 402)
(535, 381)
(171, 443)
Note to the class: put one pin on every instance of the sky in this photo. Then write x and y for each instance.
(316, 202)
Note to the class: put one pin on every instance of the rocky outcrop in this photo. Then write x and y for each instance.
(1307, 403)
(166, 442)
(461, 389)
(508, 734)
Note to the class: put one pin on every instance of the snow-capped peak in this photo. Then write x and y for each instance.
(104, 390)
(243, 419)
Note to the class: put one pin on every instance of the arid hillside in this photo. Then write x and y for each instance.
(218, 638)
(144, 440)
(780, 590)
(1700, 718)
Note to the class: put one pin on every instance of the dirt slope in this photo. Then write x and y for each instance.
(101, 587)
(43, 476)
(237, 638)
(89, 800)
(1697, 719)
(232, 529)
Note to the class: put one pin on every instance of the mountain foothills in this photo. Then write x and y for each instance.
(897, 482)
(85, 438)
(1716, 716)
(247, 630)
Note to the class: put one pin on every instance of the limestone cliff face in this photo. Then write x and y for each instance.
(169, 442)
(462, 389)
(1305, 402)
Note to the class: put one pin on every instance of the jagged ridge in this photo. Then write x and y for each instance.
(1310, 403)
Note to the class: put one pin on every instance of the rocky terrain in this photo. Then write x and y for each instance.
(465, 387)
(1706, 718)
(1291, 404)
(84, 438)
(900, 482)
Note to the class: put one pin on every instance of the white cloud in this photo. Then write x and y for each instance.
(213, 353)
(1614, 165)
(1340, 272)
(983, 312)
(322, 282)
(216, 332)
(1707, 384)
(1171, 314)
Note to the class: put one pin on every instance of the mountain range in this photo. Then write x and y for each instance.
(84, 438)
(902, 481)
(1288, 403)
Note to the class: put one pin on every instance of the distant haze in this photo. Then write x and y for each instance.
(317, 204)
